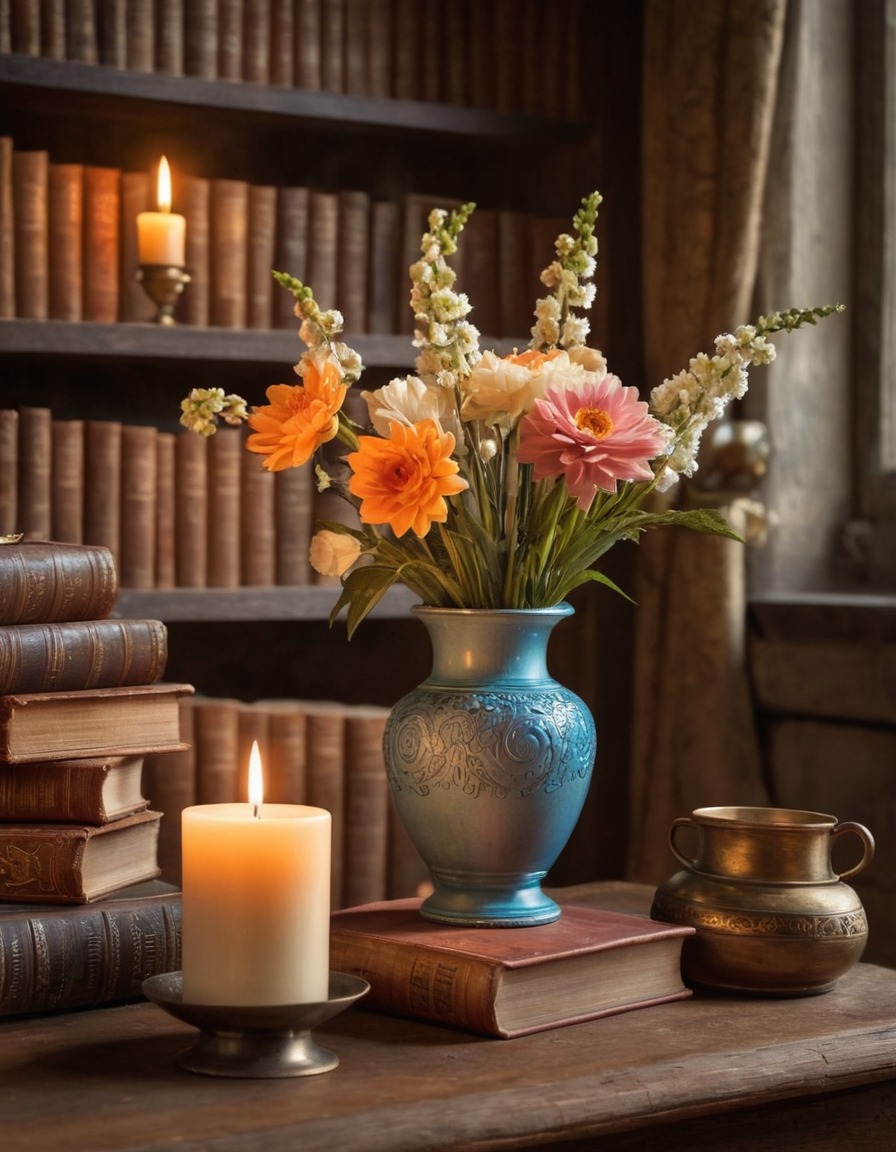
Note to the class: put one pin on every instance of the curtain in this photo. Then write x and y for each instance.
(710, 81)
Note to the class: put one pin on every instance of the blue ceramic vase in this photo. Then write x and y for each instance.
(490, 761)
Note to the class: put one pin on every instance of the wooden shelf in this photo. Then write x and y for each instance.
(233, 605)
(87, 88)
(86, 341)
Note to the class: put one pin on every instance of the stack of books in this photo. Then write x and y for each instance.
(82, 702)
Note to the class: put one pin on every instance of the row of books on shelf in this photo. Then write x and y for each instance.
(68, 239)
(174, 509)
(500, 54)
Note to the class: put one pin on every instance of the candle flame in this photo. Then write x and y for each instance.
(256, 778)
(164, 186)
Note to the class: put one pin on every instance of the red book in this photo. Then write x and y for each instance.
(506, 982)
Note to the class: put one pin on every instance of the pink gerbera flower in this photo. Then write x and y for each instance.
(593, 436)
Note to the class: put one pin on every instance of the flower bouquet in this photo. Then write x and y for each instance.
(483, 481)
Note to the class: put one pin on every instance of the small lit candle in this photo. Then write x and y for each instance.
(161, 236)
(256, 901)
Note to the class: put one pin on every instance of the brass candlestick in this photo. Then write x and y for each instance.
(163, 284)
(263, 1042)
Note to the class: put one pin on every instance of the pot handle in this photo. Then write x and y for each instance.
(867, 841)
(680, 822)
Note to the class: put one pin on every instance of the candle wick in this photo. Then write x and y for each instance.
(255, 812)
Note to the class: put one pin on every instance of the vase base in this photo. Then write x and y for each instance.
(495, 908)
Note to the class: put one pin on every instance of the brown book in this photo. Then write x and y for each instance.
(77, 654)
(91, 791)
(356, 47)
(385, 303)
(480, 278)
(293, 516)
(195, 192)
(102, 239)
(67, 482)
(406, 46)
(332, 46)
(352, 258)
(325, 767)
(63, 958)
(216, 746)
(24, 27)
(139, 486)
(49, 581)
(53, 29)
(81, 31)
(76, 863)
(230, 39)
(134, 721)
(170, 37)
(9, 473)
(228, 252)
(502, 982)
(367, 803)
(7, 232)
(261, 255)
(30, 176)
(35, 457)
(291, 249)
(380, 51)
(169, 784)
(113, 36)
(136, 197)
(519, 288)
(285, 770)
(257, 41)
(191, 511)
(201, 39)
(258, 545)
(323, 240)
(65, 226)
(307, 45)
(407, 873)
(166, 511)
(140, 38)
(431, 61)
(102, 484)
(282, 67)
(225, 453)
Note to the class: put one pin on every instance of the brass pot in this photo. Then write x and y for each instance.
(771, 915)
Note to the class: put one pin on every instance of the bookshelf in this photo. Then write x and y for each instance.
(505, 154)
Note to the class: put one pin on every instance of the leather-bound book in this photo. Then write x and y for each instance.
(65, 225)
(102, 240)
(507, 982)
(102, 484)
(9, 472)
(43, 580)
(261, 256)
(367, 803)
(139, 489)
(228, 252)
(30, 177)
(76, 863)
(60, 958)
(134, 721)
(7, 232)
(35, 457)
(107, 653)
(95, 790)
(67, 482)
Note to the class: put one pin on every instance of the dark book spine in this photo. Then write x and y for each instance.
(62, 959)
(81, 654)
(47, 582)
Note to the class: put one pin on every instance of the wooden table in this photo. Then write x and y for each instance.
(714, 1071)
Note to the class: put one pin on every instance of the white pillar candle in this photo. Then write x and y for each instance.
(255, 904)
(161, 236)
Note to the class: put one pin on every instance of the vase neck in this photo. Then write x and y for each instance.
(481, 647)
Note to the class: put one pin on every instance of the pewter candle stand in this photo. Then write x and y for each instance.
(258, 1043)
(163, 284)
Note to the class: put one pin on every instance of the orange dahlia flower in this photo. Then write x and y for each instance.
(299, 417)
(403, 481)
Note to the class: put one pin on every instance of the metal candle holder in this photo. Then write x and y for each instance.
(255, 1042)
(163, 284)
